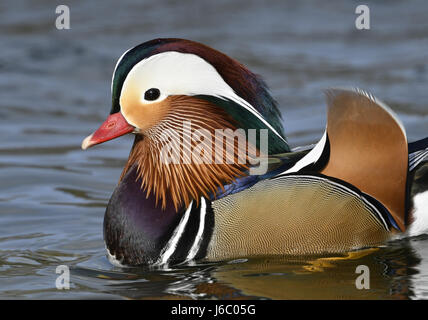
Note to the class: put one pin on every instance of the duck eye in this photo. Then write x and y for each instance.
(151, 94)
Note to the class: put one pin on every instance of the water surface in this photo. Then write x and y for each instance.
(55, 90)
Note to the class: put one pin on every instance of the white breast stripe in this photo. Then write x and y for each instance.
(170, 247)
(198, 239)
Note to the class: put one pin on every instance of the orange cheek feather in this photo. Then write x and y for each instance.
(142, 115)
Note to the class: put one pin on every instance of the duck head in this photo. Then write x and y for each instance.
(164, 85)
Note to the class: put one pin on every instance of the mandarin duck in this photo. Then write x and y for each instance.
(361, 185)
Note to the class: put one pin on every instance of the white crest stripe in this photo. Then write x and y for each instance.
(254, 111)
(176, 73)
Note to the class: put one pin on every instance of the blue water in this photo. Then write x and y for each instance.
(55, 90)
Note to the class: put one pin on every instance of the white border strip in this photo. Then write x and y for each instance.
(312, 157)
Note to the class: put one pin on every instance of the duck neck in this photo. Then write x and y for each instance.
(139, 231)
(184, 168)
